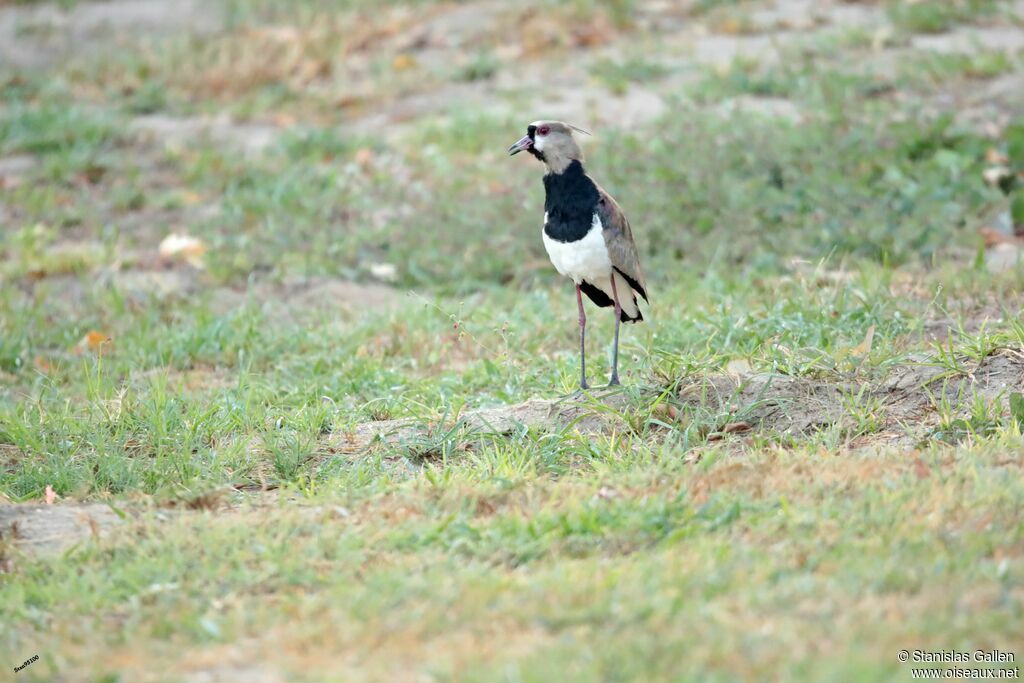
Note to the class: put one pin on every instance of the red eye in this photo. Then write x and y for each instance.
(543, 130)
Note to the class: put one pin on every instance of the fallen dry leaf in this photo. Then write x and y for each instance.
(403, 62)
(50, 496)
(739, 366)
(189, 197)
(92, 341)
(598, 31)
(731, 428)
(731, 26)
(277, 34)
(995, 157)
(864, 348)
(385, 272)
(179, 246)
(920, 469)
(666, 411)
(309, 70)
(92, 174)
(993, 237)
(363, 157)
(348, 100)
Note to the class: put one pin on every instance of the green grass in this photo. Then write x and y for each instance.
(902, 196)
(937, 16)
(617, 76)
(828, 254)
(573, 579)
(703, 6)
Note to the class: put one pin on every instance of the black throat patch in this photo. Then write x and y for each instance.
(570, 202)
(531, 130)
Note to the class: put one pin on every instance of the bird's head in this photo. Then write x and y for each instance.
(552, 142)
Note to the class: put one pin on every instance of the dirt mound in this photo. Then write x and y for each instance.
(785, 404)
(302, 299)
(913, 391)
(44, 530)
(533, 414)
(295, 299)
(910, 393)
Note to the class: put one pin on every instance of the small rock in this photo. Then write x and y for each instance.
(385, 272)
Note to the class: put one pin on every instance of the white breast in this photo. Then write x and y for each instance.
(585, 259)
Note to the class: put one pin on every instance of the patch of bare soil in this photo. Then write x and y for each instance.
(294, 299)
(47, 530)
(941, 330)
(15, 165)
(985, 104)
(908, 395)
(776, 402)
(907, 398)
(230, 673)
(42, 34)
(988, 106)
(913, 391)
(250, 138)
(533, 414)
(968, 40)
(68, 293)
(565, 87)
(302, 299)
(806, 15)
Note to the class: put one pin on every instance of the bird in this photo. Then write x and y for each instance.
(586, 234)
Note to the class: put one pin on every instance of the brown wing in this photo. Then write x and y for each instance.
(618, 238)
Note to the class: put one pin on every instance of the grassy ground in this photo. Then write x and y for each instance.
(810, 211)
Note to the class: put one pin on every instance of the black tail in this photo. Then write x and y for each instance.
(602, 300)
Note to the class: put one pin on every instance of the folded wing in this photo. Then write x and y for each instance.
(618, 238)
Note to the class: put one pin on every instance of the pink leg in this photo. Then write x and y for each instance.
(583, 335)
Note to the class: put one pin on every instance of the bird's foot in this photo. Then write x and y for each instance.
(614, 381)
(581, 392)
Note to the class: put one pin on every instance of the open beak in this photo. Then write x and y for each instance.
(523, 144)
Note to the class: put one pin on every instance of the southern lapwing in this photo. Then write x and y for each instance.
(585, 232)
